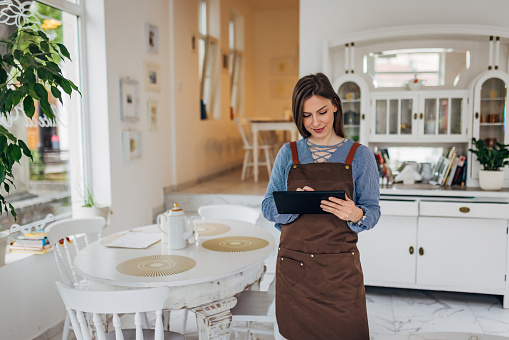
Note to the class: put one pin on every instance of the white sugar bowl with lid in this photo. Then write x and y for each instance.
(174, 224)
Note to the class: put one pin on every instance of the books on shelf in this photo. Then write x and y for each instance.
(16, 248)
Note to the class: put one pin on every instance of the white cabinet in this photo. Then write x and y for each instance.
(425, 116)
(443, 244)
(394, 240)
(354, 94)
(460, 253)
(490, 121)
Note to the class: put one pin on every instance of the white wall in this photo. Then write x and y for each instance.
(324, 19)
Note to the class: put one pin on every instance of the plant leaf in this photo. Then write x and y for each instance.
(56, 93)
(43, 99)
(28, 106)
(25, 149)
(64, 51)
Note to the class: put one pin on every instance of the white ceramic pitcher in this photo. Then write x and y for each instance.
(173, 223)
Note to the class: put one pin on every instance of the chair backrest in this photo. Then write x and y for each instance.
(245, 131)
(230, 212)
(78, 302)
(65, 237)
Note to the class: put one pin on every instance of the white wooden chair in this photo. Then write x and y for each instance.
(247, 139)
(90, 229)
(230, 212)
(100, 303)
(255, 306)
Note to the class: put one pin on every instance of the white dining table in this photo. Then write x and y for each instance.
(259, 124)
(207, 289)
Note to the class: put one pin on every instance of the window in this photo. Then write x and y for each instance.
(207, 51)
(395, 68)
(44, 185)
(235, 39)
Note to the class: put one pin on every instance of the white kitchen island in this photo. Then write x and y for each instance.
(436, 238)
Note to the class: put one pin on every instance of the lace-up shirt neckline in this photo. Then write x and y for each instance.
(322, 153)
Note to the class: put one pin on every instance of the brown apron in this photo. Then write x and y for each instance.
(319, 283)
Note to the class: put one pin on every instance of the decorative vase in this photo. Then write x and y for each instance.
(97, 210)
(4, 240)
(491, 179)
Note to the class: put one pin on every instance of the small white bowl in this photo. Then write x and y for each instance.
(414, 85)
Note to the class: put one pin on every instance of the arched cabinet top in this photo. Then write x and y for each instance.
(473, 32)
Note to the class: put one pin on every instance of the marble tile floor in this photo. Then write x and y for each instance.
(397, 314)
(393, 314)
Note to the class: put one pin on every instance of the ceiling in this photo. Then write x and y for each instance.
(261, 5)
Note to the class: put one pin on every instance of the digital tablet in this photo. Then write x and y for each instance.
(303, 202)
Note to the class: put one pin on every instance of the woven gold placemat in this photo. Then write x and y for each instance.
(156, 265)
(235, 244)
(210, 229)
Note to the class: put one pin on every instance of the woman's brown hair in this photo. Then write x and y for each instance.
(316, 85)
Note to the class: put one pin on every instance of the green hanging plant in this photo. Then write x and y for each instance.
(28, 73)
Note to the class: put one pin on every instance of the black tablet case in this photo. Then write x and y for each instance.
(303, 202)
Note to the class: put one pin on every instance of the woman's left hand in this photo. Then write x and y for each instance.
(343, 209)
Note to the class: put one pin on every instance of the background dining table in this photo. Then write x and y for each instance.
(226, 257)
(268, 124)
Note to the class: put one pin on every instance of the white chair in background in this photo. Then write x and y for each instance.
(255, 306)
(90, 229)
(247, 139)
(137, 302)
(230, 212)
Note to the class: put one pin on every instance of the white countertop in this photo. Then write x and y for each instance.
(441, 191)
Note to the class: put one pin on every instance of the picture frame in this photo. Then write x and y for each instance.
(284, 66)
(151, 38)
(152, 114)
(152, 77)
(131, 144)
(129, 100)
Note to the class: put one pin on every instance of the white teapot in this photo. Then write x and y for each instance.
(173, 223)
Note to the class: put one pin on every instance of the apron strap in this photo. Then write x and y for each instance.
(349, 158)
(295, 155)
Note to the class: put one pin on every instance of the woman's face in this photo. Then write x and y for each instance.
(318, 117)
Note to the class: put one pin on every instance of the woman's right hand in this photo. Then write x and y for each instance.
(306, 188)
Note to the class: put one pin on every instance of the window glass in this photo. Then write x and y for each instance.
(43, 185)
(433, 66)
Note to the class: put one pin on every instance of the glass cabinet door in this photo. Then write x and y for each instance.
(443, 116)
(493, 111)
(350, 96)
(393, 116)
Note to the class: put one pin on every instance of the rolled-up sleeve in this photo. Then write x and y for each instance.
(367, 191)
(277, 182)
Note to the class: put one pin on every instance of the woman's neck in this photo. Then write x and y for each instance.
(332, 139)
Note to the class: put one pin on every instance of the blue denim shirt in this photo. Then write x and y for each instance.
(366, 192)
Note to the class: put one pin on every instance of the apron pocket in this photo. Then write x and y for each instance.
(337, 276)
(293, 270)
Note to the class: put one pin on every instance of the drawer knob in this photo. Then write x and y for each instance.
(411, 250)
(421, 251)
(464, 209)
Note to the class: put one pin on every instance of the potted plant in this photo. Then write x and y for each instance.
(91, 208)
(493, 159)
(29, 72)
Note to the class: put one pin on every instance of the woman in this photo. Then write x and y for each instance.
(319, 283)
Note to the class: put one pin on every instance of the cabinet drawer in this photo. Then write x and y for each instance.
(465, 209)
(399, 208)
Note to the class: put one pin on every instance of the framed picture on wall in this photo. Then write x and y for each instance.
(152, 114)
(129, 100)
(282, 66)
(152, 77)
(152, 38)
(131, 144)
